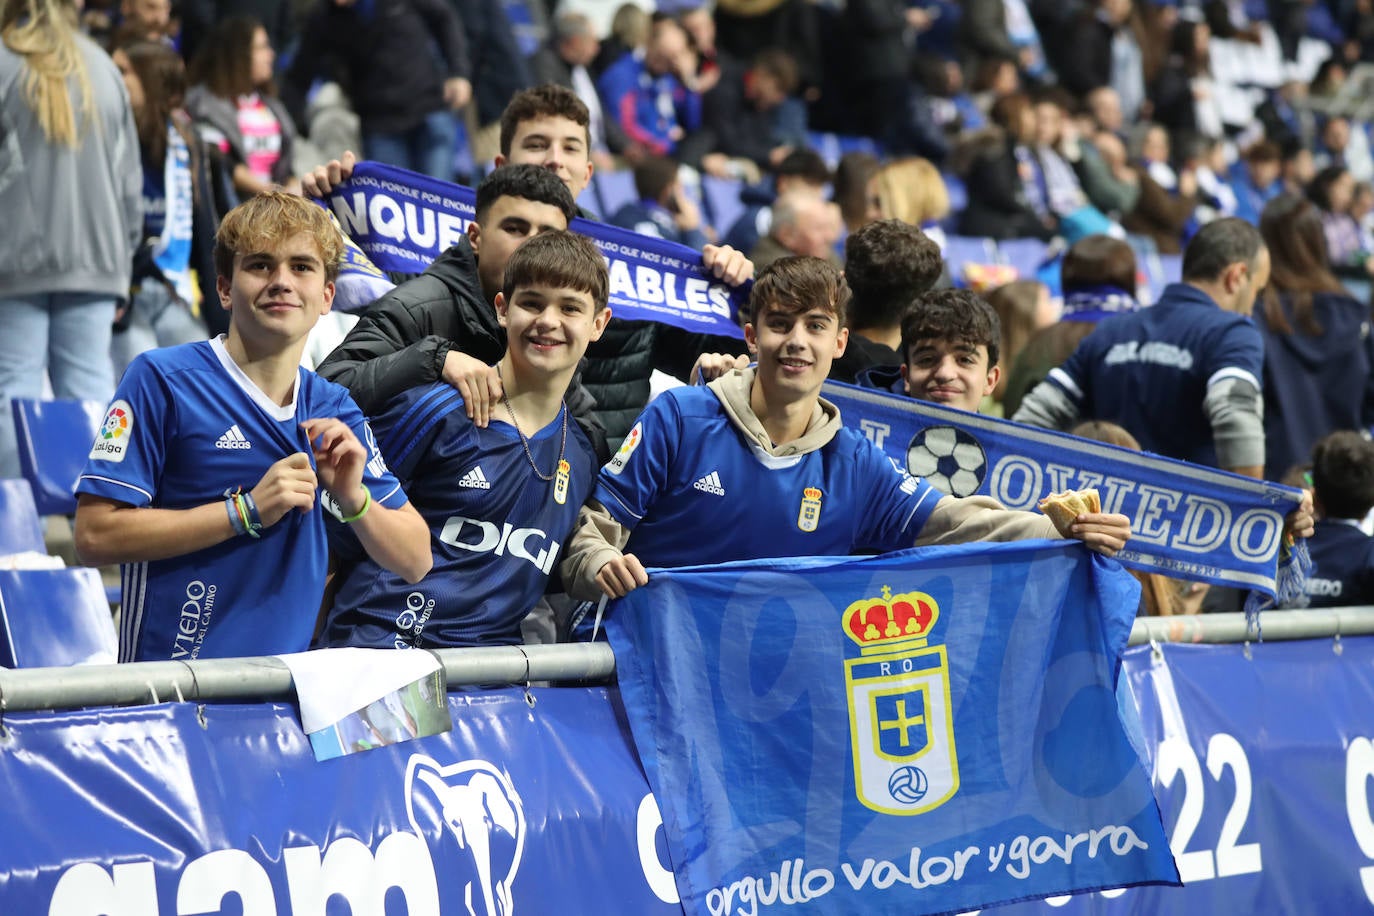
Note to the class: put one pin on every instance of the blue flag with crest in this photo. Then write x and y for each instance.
(923, 732)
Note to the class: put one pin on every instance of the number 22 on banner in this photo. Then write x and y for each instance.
(1175, 757)
(1359, 770)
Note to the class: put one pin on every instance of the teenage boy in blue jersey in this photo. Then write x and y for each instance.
(500, 499)
(203, 478)
(756, 464)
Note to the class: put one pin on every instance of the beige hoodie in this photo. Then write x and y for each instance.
(599, 538)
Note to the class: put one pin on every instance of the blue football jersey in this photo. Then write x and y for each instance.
(1149, 370)
(693, 490)
(186, 428)
(496, 529)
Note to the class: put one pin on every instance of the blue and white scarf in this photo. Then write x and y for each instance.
(403, 221)
(172, 250)
(1093, 303)
(1187, 521)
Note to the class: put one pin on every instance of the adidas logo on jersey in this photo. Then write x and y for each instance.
(233, 438)
(475, 479)
(710, 484)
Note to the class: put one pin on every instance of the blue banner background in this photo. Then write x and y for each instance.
(147, 791)
(1274, 739)
(403, 221)
(157, 791)
(734, 679)
(1187, 521)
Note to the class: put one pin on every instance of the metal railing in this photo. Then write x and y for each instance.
(267, 678)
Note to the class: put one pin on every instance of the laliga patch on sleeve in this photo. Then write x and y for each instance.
(627, 448)
(112, 441)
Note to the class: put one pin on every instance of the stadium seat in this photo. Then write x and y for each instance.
(1026, 255)
(1171, 268)
(967, 249)
(958, 195)
(613, 190)
(720, 200)
(54, 617)
(20, 527)
(54, 440)
(832, 146)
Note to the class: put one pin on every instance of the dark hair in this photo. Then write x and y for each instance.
(888, 264)
(851, 184)
(653, 176)
(1110, 433)
(1016, 304)
(560, 259)
(986, 73)
(530, 182)
(547, 101)
(1291, 148)
(1007, 111)
(224, 63)
(1099, 260)
(1343, 474)
(805, 164)
(1218, 245)
(1319, 191)
(952, 314)
(163, 75)
(797, 284)
(1263, 151)
(1299, 263)
(1184, 49)
(1058, 97)
(780, 65)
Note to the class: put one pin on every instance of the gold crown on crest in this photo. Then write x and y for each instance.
(891, 618)
(811, 493)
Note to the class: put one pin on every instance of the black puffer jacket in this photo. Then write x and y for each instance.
(618, 367)
(617, 374)
(405, 336)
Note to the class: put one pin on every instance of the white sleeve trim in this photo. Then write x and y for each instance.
(1067, 383)
(119, 483)
(1234, 372)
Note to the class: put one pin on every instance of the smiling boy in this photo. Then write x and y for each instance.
(950, 341)
(202, 481)
(501, 499)
(757, 464)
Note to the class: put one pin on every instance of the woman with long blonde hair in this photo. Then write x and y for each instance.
(70, 192)
(911, 190)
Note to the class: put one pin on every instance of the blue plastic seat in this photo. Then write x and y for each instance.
(720, 199)
(54, 617)
(968, 249)
(54, 439)
(613, 190)
(958, 193)
(20, 527)
(1026, 255)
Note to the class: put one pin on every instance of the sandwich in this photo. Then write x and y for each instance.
(1063, 508)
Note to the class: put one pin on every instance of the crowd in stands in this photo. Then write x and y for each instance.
(1054, 161)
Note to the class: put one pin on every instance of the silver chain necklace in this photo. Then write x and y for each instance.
(525, 443)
